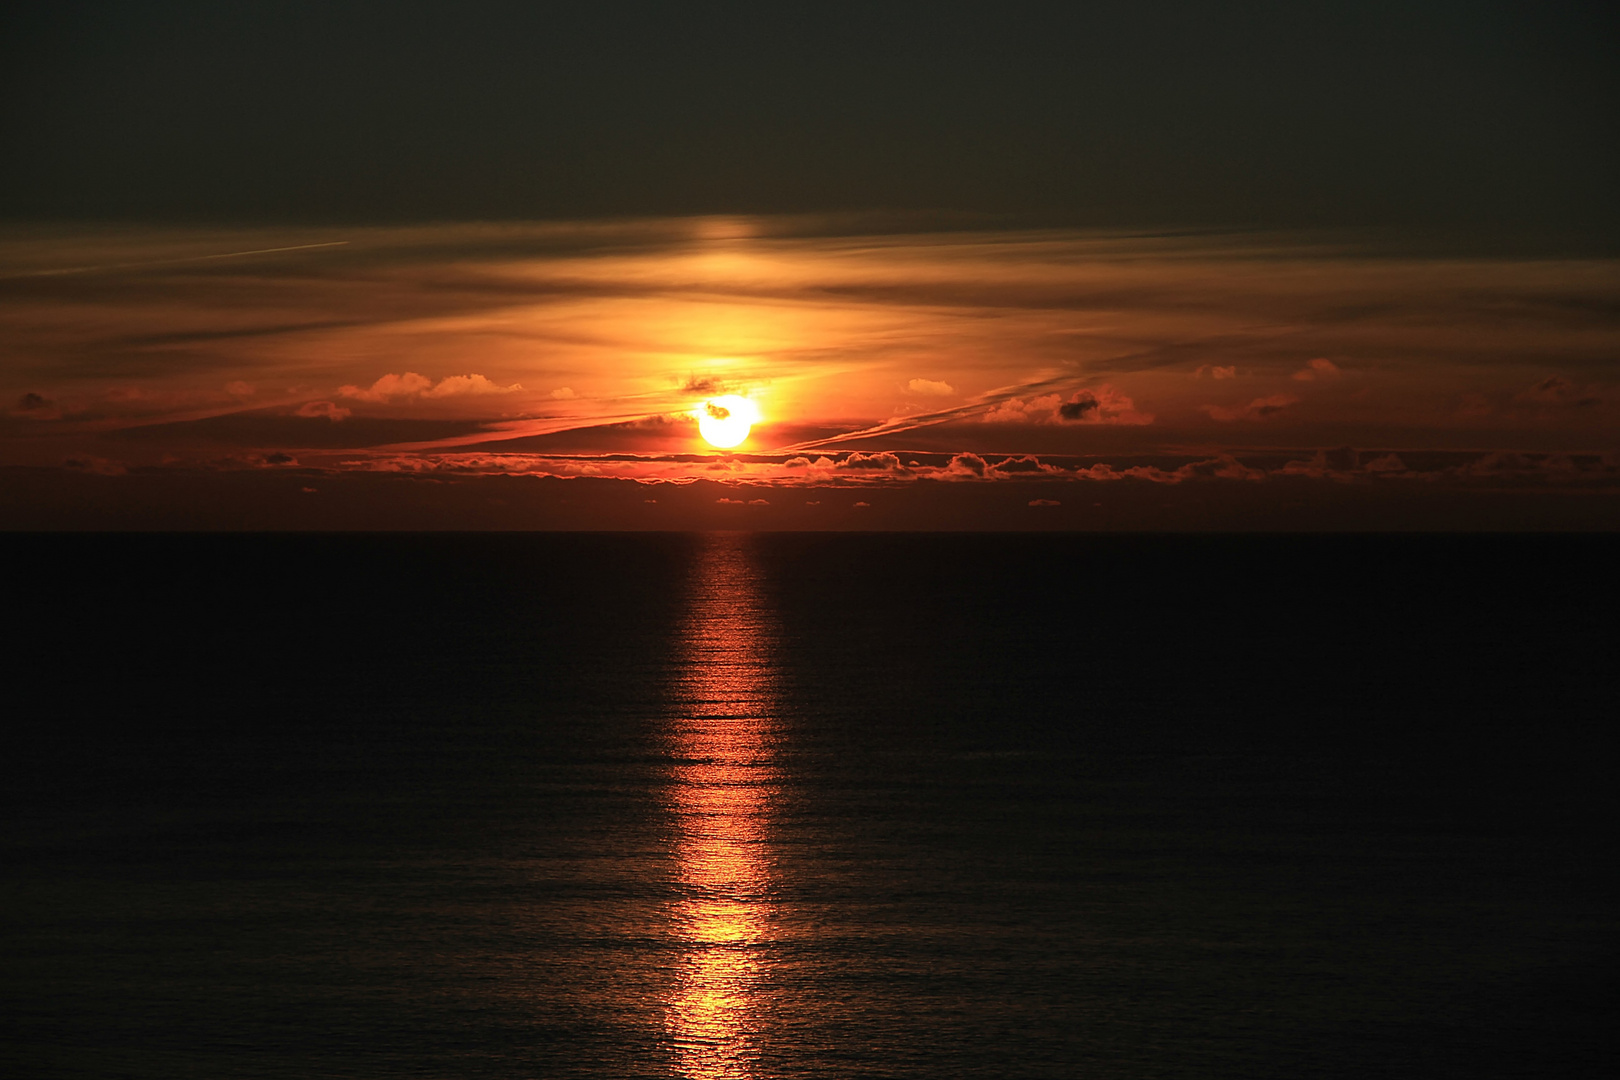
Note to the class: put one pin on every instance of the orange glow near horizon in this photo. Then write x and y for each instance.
(380, 349)
(723, 783)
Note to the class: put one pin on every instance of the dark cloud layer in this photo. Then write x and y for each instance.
(1492, 117)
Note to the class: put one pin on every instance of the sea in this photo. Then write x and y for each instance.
(737, 805)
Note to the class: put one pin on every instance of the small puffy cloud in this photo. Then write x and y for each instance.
(706, 384)
(279, 458)
(239, 388)
(1027, 463)
(1497, 463)
(327, 409)
(1101, 405)
(411, 384)
(1011, 411)
(389, 386)
(564, 393)
(1258, 409)
(1320, 368)
(1223, 467)
(875, 462)
(1337, 463)
(863, 506)
(1216, 372)
(36, 407)
(99, 466)
(931, 388)
(1557, 391)
(468, 384)
(1112, 408)
(1389, 463)
(1081, 406)
(1044, 502)
(966, 465)
(759, 502)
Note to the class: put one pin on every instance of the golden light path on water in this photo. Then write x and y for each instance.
(724, 781)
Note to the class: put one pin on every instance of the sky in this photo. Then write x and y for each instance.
(1240, 266)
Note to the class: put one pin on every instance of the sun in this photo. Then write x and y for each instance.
(724, 421)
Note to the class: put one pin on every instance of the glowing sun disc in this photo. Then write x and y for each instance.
(724, 421)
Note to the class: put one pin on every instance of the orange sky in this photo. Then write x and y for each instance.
(580, 349)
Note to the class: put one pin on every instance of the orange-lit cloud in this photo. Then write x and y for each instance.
(1320, 368)
(410, 384)
(1258, 409)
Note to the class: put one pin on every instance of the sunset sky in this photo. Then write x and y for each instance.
(1198, 299)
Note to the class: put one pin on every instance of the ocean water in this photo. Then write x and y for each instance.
(734, 805)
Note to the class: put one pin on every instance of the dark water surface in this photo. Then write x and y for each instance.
(809, 805)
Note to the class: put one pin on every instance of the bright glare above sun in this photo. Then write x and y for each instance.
(724, 421)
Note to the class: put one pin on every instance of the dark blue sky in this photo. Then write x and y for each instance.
(1482, 118)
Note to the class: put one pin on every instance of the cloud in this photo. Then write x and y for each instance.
(1320, 368)
(965, 465)
(1104, 405)
(97, 465)
(876, 462)
(327, 409)
(1388, 463)
(1216, 372)
(1044, 502)
(1258, 409)
(1026, 463)
(1558, 391)
(1223, 467)
(1338, 463)
(36, 407)
(1081, 406)
(1011, 411)
(411, 384)
(564, 393)
(240, 389)
(1220, 467)
(931, 388)
(468, 384)
(389, 386)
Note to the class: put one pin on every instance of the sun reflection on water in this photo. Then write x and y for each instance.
(720, 798)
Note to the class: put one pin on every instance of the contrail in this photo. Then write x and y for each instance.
(992, 398)
(170, 262)
(266, 251)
